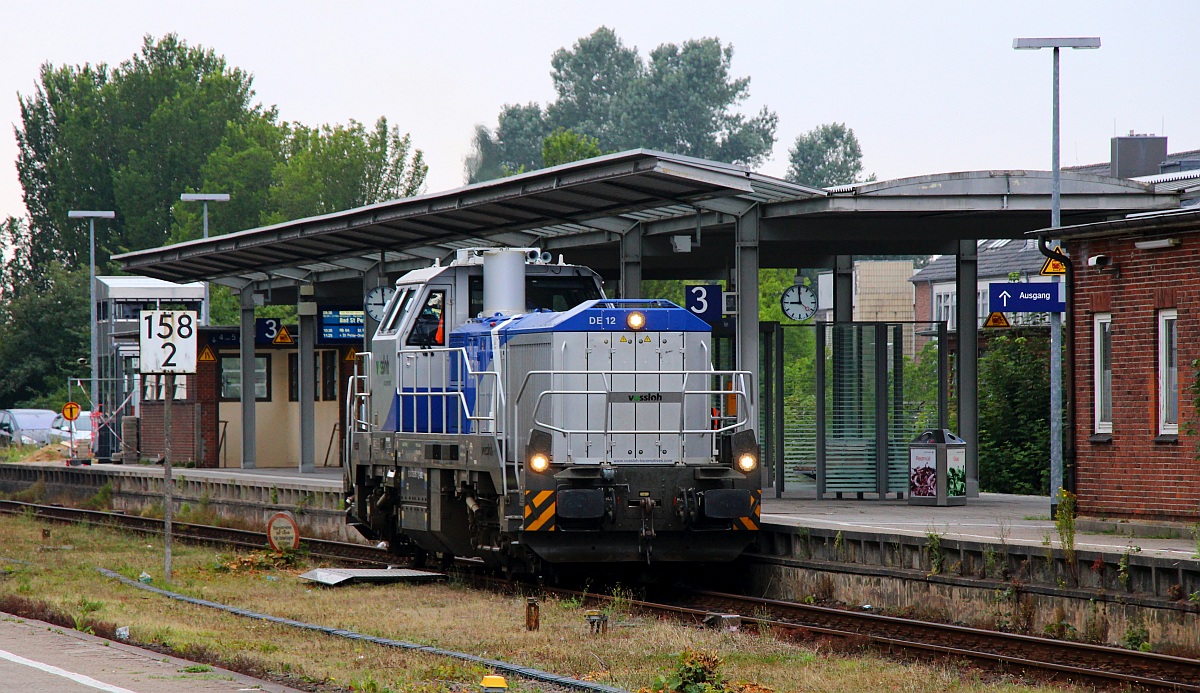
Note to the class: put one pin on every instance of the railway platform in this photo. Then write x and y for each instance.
(39, 657)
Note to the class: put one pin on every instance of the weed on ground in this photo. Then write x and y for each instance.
(45, 579)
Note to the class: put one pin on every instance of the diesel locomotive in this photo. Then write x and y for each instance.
(509, 412)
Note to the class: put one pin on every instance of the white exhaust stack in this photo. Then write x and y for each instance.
(504, 282)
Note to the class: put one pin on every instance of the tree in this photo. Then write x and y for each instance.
(682, 101)
(564, 146)
(826, 156)
(1014, 431)
(173, 118)
(128, 139)
(515, 146)
(43, 334)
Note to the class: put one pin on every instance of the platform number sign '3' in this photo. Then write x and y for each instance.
(168, 341)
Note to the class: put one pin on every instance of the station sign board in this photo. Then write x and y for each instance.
(1026, 297)
(167, 339)
(704, 301)
(340, 325)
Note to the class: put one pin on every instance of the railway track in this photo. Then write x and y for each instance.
(1062, 659)
(1010, 652)
(321, 548)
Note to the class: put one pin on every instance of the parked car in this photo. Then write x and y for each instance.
(60, 430)
(25, 426)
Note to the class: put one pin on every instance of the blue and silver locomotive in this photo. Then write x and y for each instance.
(509, 412)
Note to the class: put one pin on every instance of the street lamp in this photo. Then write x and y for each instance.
(1056, 394)
(205, 198)
(92, 216)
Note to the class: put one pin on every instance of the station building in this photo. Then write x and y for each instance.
(1133, 327)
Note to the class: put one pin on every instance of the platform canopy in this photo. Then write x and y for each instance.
(583, 209)
(609, 194)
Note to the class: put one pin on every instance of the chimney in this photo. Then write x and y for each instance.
(1136, 155)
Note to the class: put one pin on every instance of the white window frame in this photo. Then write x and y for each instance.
(945, 302)
(1100, 322)
(1168, 379)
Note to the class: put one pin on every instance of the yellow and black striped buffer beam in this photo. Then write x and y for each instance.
(539, 511)
(751, 521)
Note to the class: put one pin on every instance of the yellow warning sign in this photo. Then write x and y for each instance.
(1052, 266)
(206, 354)
(351, 355)
(284, 337)
(70, 411)
(624, 340)
(646, 340)
(996, 320)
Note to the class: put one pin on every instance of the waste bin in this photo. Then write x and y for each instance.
(937, 469)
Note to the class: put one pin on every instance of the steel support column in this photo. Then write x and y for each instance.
(631, 263)
(306, 370)
(246, 350)
(372, 278)
(746, 285)
(843, 288)
(968, 359)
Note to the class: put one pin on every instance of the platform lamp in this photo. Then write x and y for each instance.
(92, 216)
(1056, 394)
(205, 198)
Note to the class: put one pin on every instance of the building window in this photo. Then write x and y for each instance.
(944, 308)
(154, 387)
(231, 378)
(1103, 371)
(1168, 373)
(325, 374)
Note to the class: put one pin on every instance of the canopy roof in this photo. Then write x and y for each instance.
(610, 193)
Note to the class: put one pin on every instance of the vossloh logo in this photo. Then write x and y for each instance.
(644, 397)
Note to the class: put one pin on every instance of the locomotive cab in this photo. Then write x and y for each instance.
(509, 412)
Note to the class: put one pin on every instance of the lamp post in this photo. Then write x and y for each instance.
(1056, 394)
(205, 198)
(92, 216)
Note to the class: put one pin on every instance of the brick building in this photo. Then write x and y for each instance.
(1135, 321)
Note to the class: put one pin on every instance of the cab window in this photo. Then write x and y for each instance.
(395, 315)
(429, 325)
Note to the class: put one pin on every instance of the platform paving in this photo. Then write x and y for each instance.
(39, 657)
(990, 518)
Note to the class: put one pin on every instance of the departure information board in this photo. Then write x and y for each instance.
(340, 325)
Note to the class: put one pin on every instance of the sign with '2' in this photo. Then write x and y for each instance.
(168, 341)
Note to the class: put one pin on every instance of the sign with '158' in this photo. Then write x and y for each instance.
(168, 341)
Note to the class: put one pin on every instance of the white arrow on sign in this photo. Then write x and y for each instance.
(1004, 296)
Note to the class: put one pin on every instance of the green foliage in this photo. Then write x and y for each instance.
(1064, 524)
(825, 156)
(1137, 635)
(696, 672)
(1014, 429)
(173, 118)
(681, 100)
(933, 549)
(129, 139)
(43, 333)
(564, 146)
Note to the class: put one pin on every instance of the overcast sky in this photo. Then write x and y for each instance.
(928, 87)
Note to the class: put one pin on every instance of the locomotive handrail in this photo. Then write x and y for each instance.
(496, 399)
(741, 393)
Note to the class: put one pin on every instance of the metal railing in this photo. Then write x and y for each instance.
(443, 394)
(726, 404)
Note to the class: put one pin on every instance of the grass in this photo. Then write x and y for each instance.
(64, 584)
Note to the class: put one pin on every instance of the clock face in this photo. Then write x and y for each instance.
(798, 302)
(376, 300)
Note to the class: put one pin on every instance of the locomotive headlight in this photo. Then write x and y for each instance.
(539, 462)
(636, 320)
(747, 462)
